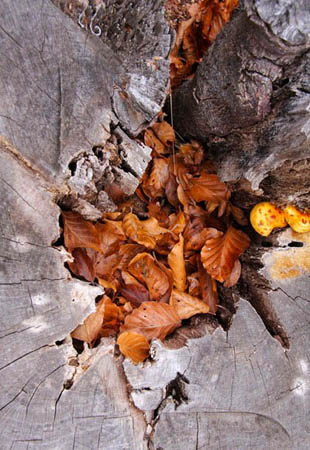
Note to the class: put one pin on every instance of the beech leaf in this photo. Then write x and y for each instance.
(144, 232)
(79, 232)
(220, 251)
(147, 270)
(134, 345)
(209, 188)
(208, 288)
(177, 264)
(82, 266)
(153, 320)
(186, 305)
(103, 322)
(154, 185)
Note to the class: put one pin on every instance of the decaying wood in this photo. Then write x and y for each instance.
(65, 103)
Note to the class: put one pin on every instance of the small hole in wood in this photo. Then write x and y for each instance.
(296, 244)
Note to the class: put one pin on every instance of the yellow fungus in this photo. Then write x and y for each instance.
(297, 220)
(265, 217)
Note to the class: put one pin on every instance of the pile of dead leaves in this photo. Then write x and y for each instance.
(159, 270)
(195, 35)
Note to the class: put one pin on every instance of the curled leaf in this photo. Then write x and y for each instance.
(144, 232)
(186, 305)
(208, 288)
(220, 251)
(153, 320)
(134, 346)
(104, 322)
(154, 184)
(146, 269)
(151, 140)
(164, 132)
(177, 264)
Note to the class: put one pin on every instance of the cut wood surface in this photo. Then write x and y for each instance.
(235, 389)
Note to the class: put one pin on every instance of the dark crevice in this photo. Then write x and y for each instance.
(175, 392)
(296, 244)
(78, 345)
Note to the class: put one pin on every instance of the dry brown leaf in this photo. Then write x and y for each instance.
(195, 234)
(106, 317)
(209, 188)
(145, 232)
(79, 232)
(147, 270)
(165, 133)
(220, 252)
(111, 235)
(151, 140)
(171, 190)
(194, 285)
(107, 284)
(134, 346)
(187, 306)
(154, 185)
(192, 153)
(177, 222)
(82, 266)
(237, 214)
(208, 288)
(234, 275)
(160, 213)
(106, 266)
(132, 290)
(153, 320)
(177, 264)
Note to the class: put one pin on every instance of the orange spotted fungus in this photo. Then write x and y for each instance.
(265, 217)
(297, 220)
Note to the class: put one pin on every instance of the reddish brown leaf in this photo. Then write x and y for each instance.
(146, 269)
(164, 132)
(209, 188)
(154, 185)
(220, 252)
(153, 320)
(187, 306)
(134, 346)
(208, 288)
(237, 214)
(111, 236)
(195, 234)
(171, 191)
(192, 153)
(132, 290)
(82, 266)
(79, 232)
(151, 140)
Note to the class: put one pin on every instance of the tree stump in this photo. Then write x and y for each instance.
(71, 107)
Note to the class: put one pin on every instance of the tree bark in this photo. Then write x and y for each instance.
(71, 106)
